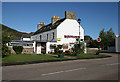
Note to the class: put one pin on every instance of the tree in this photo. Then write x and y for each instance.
(5, 50)
(111, 37)
(102, 35)
(107, 38)
(90, 42)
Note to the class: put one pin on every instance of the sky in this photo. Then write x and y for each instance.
(24, 16)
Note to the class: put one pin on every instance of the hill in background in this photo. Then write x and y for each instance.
(13, 34)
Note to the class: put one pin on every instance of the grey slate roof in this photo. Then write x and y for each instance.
(26, 36)
(49, 26)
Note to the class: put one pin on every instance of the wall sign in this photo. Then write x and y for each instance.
(59, 39)
(70, 36)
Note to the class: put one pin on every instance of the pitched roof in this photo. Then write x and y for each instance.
(26, 36)
(49, 26)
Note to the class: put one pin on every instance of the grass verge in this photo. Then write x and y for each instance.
(24, 57)
(83, 55)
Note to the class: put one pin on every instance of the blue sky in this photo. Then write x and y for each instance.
(24, 16)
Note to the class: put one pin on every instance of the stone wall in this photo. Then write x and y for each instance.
(26, 50)
(11, 49)
(92, 50)
(111, 49)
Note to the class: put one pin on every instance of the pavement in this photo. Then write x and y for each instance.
(86, 69)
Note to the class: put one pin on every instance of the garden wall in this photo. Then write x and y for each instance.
(26, 50)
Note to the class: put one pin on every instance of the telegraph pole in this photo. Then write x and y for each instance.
(79, 34)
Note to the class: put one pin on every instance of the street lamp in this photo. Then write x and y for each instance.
(79, 34)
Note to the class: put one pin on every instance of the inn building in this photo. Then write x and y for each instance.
(64, 32)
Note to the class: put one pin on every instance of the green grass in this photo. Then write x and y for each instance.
(84, 55)
(24, 57)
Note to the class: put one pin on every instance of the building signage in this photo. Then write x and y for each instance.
(59, 39)
(70, 36)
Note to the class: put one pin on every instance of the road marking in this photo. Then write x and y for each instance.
(113, 64)
(62, 71)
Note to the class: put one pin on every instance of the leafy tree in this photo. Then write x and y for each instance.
(5, 50)
(111, 37)
(90, 42)
(107, 38)
(93, 44)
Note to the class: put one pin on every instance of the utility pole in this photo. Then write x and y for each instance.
(79, 34)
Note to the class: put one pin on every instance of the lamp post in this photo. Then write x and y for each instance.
(79, 34)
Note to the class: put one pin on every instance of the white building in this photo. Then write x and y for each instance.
(59, 32)
(117, 43)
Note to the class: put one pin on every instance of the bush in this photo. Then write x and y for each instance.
(43, 51)
(18, 49)
(5, 51)
(75, 49)
(67, 52)
(56, 49)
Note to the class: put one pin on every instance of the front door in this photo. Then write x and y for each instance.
(43, 48)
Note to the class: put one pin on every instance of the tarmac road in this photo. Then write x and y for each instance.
(85, 69)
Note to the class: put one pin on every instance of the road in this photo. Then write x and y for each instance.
(85, 69)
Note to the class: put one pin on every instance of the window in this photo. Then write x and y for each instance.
(40, 37)
(53, 35)
(47, 36)
(81, 39)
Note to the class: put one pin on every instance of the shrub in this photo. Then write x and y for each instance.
(43, 51)
(75, 49)
(60, 51)
(56, 50)
(5, 51)
(18, 49)
(67, 52)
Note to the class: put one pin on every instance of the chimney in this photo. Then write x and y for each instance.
(55, 18)
(40, 25)
(70, 15)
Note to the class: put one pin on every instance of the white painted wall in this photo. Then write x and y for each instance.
(69, 27)
(48, 46)
(26, 39)
(34, 44)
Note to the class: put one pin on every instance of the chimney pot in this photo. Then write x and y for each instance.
(40, 25)
(55, 18)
